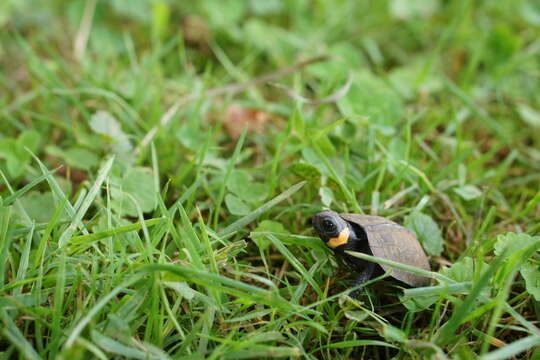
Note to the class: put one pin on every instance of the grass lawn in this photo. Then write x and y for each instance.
(160, 162)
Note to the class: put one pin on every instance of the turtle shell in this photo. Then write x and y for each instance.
(392, 241)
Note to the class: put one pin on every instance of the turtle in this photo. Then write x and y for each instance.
(372, 235)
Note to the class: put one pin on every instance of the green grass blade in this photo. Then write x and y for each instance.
(273, 352)
(349, 194)
(86, 239)
(228, 171)
(444, 288)
(294, 262)
(356, 343)
(224, 284)
(242, 222)
(93, 349)
(310, 242)
(17, 194)
(14, 335)
(467, 306)
(513, 349)
(55, 188)
(23, 263)
(74, 334)
(5, 241)
(115, 347)
(85, 205)
(192, 242)
(409, 268)
(46, 236)
(59, 291)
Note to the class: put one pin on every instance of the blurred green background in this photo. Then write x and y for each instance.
(440, 130)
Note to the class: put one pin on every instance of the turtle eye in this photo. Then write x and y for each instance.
(329, 226)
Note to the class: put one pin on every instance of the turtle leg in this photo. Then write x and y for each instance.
(361, 278)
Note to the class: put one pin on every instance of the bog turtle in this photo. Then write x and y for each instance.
(372, 235)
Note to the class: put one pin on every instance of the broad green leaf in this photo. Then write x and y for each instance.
(39, 206)
(531, 273)
(7, 148)
(327, 196)
(372, 99)
(30, 140)
(224, 13)
(267, 226)
(418, 299)
(306, 171)
(418, 303)
(463, 270)
(15, 166)
(16, 152)
(393, 333)
(465, 308)
(236, 205)
(428, 232)
(81, 158)
(137, 184)
(240, 223)
(359, 316)
(514, 242)
(17, 194)
(106, 125)
(405, 79)
(238, 180)
(242, 185)
(468, 192)
(190, 137)
(75, 157)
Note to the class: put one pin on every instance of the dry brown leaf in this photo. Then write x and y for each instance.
(238, 117)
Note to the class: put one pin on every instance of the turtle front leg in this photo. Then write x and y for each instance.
(362, 277)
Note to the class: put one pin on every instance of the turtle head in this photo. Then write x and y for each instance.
(331, 228)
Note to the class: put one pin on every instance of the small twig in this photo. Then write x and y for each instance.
(230, 89)
(397, 197)
(81, 40)
(341, 92)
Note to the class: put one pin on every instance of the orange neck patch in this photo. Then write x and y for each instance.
(342, 238)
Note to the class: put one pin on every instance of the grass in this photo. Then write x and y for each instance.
(135, 223)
